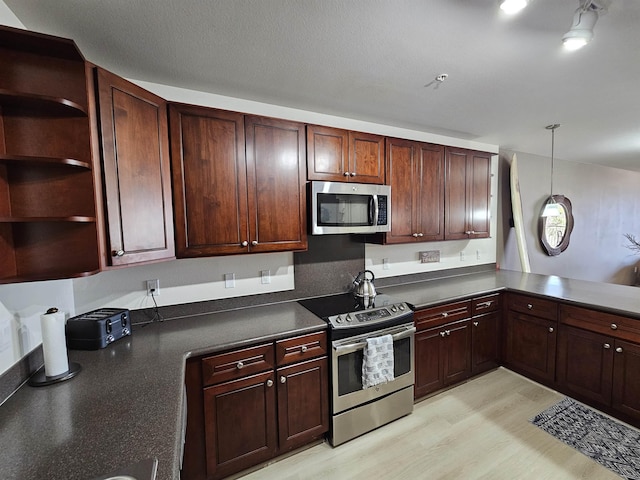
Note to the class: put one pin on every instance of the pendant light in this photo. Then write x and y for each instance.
(551, 208)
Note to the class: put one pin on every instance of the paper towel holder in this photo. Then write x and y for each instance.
(40, 379)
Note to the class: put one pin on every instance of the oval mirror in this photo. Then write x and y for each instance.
(556, 224)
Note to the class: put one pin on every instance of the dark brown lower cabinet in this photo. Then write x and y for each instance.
(585, 364)
(485, 335)
(626, 380)
(303, 403)
(442, 356)
(249, 405)
(240, 424)
(531, 346)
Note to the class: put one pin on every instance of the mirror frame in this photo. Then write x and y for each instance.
(565, 203)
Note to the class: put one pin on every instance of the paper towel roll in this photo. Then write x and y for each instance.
(54, 344)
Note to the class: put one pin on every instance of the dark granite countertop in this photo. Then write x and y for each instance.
(125, 405)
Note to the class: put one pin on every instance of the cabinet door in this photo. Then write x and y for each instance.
(240, 424)
(429, 369)
(327, 154)
(585, 363)
(401, 175)
(275, 152)
(366, 158)
(303, 403)
(531, 345)
(626, 381)
(135, 155)
(430, 192)
(457, 351)
(479, 186)
(485, 334)
(467, 194)
(209, 181)
(456, 221)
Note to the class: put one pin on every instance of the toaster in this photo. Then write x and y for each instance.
(97, 329)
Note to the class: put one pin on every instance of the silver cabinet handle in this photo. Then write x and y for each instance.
(239, 365)
(283, 379)
(353, 174)
(346, 174)
(529, 306)
(445, 314)
(475, 324)
(245, 243)
(550, 329)
(448, 332)
(269, 383)
(486, 304)
(117, 253)
(421, 234)
(619, 349)
(607, 346)
(614, 326)
(442, 334)
(303, 348)
(254, 243)
(415, 235)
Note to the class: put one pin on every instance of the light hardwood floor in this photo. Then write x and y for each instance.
(478, 430)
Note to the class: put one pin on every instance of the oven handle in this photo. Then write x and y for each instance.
(354, 347)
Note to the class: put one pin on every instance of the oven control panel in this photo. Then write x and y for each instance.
(371, 316)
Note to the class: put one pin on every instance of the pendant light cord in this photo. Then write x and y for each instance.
(553, 138)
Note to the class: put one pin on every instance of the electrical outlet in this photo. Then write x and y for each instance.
(229, 280)
(385, 264)
(478, 254)
(153, 286)
(462, 256)
(265, 276)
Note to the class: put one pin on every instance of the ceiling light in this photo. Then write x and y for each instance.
(584, 19)
(511, 7)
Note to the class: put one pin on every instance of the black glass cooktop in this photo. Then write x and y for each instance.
(328, 306)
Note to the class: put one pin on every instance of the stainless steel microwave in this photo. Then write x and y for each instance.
(349, 208)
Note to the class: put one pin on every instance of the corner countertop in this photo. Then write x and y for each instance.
(126, 404)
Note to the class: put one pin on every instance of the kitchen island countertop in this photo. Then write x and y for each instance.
(126, 403)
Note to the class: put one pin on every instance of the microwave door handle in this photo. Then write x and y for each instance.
(373, 202)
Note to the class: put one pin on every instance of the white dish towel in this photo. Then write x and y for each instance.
(377, 365)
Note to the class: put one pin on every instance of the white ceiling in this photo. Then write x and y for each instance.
(371, 59)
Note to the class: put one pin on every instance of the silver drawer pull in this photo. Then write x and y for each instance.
(619, 349)
(475, 324)
(283, 379)
(550, 329)
(239, 365)
(607, 346)
(445, 314)
(303, 349)
(442, 334)
(614, 326)
(529, 306)
(269, 383)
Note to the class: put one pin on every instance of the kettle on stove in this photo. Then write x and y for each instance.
(364, 290)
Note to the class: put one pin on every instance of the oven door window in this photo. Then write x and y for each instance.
(350, 366)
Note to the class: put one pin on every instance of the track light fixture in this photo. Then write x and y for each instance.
(584, 19)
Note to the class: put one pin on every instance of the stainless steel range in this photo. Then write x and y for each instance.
(356, 410)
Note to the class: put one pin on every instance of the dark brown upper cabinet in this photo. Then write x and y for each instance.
(467, 193)
(340, 155)
(137, 182)
(415, 172)
(238, 182)
(48, 222)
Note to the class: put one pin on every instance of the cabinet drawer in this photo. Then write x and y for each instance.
(537, 307)
(606, 323)
(301, 348)
(488, 303)
(435, 316)
(236, 364)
